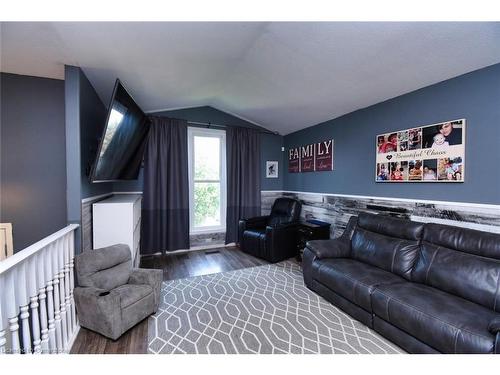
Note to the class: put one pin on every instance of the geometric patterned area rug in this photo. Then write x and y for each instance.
(263, 309)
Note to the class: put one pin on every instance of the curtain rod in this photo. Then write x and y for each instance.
(209, 124)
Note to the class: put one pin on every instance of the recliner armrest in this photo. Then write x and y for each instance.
(254, 222)
(149, 277)
(99, 310)
(335, 248)
(146, 276)
(494, 326)
(282, 226)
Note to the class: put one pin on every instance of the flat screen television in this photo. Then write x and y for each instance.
(121, 147)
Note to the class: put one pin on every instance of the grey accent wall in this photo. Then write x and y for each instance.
(474, 96)
(32, 162)
(270, 146)
(84, 121)
(270, 149)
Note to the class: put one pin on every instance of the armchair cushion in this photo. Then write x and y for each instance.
(284, 210)
(104, 268)
(130, 293)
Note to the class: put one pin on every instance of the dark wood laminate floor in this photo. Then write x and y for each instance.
(174, 266)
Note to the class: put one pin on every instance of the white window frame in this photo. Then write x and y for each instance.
(214, 133)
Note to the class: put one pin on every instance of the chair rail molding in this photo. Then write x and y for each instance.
(37, 309)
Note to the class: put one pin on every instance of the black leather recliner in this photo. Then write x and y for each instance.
(429, 288)
(273, 237)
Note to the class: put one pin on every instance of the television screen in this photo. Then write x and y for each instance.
(121, 148)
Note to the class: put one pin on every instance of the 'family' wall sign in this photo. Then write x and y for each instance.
(314, 157)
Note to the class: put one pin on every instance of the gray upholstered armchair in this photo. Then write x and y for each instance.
(112, 297)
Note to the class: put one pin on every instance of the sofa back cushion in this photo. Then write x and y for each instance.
(388, 243)
(464, 262)
(105, 268)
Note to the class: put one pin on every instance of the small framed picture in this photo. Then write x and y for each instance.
(271, 169)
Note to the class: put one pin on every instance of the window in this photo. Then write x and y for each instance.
(207, 180)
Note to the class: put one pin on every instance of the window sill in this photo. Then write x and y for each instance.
(207, 231)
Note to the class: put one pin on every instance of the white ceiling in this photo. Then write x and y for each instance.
(282, 76)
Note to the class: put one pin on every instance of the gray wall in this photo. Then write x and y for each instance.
(474, 96)
(84, 121)
(32, 162)
(270, 144)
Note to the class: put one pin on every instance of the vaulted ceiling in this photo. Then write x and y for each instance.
(282, 76)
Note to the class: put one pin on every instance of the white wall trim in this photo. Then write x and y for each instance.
(463, 204)
(463, 224)
(195, 248)
(93, 198)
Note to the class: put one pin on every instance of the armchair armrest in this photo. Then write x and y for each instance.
(99, 310)
(150, 277)
(251, 223)
(254, 222)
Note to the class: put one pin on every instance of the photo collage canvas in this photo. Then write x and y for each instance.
(430, 153)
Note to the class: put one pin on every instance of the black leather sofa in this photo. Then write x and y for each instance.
(429, 288)
(272, 237)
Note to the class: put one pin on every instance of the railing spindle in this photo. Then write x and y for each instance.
(36, 299)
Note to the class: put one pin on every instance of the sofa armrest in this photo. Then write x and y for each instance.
(494, 326)
(336, 248)
(150, 277)
(99, 310)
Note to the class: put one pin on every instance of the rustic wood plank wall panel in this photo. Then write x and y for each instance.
(337, 210)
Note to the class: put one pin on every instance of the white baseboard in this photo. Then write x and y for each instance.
(195, 248)
(73, 338)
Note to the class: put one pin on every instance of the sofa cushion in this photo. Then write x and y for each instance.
(353, 280)
(388, 243)
(448, 323)
(131, 293)
(462, 262)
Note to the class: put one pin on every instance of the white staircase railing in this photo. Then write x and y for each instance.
(37, 309)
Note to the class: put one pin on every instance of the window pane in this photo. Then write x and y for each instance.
(206, 158)
(206, 204)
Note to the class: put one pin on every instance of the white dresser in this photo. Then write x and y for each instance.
(118, 220)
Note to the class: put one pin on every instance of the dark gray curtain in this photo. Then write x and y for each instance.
(165, 206)
(243, 178)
